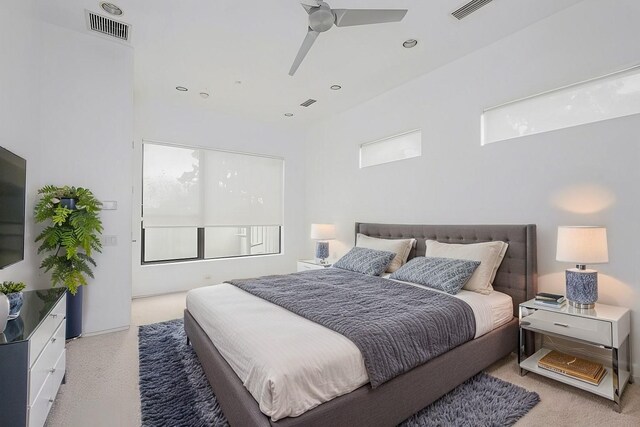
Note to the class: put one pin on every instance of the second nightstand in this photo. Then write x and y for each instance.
(311, 264)
(604, 326)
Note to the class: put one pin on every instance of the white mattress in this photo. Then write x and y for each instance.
(290, 364)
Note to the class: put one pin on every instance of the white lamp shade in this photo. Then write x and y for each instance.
(323, 231)
(582, 245)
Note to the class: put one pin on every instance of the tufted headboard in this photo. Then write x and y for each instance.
(517, 275)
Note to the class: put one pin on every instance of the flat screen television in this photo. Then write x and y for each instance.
(13, 177)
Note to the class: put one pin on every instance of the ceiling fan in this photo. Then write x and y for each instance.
(322, 18)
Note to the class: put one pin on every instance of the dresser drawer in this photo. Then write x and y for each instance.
(45, 331)
(45, 364)
(41, 406)
(591, 330)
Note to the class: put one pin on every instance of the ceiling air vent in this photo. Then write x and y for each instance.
(108, 26)
(469, 8)
(308, 102)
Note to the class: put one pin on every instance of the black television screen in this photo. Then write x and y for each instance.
(13, 178)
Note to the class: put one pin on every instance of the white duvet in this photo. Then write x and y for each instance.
(290, 364)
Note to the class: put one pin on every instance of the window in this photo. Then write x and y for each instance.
(608, 97)
(399, 147)
(203, 204)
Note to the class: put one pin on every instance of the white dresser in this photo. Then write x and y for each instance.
(32, 355)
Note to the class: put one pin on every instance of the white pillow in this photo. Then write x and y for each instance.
(401, 247)
(490, 255)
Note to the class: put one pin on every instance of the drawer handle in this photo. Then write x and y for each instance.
(54, 315)
(50, 400)
(52, 370)
(564, 325)
(53, 339)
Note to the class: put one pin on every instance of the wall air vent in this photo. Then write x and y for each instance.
(469, 8)
(308, 102)
(108, 26)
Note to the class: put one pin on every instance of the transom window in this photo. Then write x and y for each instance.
(392, 149)
(603, 98)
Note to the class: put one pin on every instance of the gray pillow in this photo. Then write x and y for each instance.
(445, 274)
(366, 261)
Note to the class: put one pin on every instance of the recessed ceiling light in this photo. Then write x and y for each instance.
(181, 88)
(111, 8)
(336, 87)
(288, 114)
(410, 43)
(204, 95)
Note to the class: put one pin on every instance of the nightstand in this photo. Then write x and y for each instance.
(311, 264)
(604, 326)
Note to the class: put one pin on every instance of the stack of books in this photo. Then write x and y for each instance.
(550, 300)
(574, 367)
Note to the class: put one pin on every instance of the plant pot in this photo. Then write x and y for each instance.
(4, 311)
(15, 304)
(74, 314)
(68, 203)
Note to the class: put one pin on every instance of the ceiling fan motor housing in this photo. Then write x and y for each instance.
(321, 18)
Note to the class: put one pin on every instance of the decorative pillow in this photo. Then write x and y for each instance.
(365, 261)
(445, 274)
(490, 255)
(401, 247)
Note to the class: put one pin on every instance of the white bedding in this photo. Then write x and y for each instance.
(290, 364)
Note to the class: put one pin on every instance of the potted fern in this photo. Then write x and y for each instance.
(70, 237)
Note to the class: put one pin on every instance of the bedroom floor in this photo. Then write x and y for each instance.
(102, 382)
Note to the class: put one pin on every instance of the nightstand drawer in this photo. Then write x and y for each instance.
(303, 266)
(591, 330)
(311, 265)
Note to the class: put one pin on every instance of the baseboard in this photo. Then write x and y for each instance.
(134, 297)
(106, 331)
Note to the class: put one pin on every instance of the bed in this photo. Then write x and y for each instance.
(400, 397)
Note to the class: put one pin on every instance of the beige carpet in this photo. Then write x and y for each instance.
(102, 382)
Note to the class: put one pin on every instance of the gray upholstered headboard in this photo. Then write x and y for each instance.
(517, 275)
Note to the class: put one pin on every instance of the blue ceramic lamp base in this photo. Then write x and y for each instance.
(582, 287)
(322, 251)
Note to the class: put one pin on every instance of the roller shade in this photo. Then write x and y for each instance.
(171, 191)
(189, 187)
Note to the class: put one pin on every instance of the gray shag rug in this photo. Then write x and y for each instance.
(174, 390)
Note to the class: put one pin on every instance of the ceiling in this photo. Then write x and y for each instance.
(210, 45)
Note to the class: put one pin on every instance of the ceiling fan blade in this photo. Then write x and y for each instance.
(307, 7)
(309, 4)
(350, 17)
(304, 49)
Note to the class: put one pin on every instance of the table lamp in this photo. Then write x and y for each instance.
(581, 246)
(322, 233)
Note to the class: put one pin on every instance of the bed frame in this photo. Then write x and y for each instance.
(399, 398)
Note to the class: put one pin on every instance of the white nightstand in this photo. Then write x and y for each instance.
(604, 326)
(311, 264)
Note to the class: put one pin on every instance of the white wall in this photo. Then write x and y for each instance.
(67, 107)
(180, 123)
(21, 47)
(582, 175)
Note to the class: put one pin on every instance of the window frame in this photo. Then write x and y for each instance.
(483, 137)
(201, 244)
(201, 248)
(392, 138)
